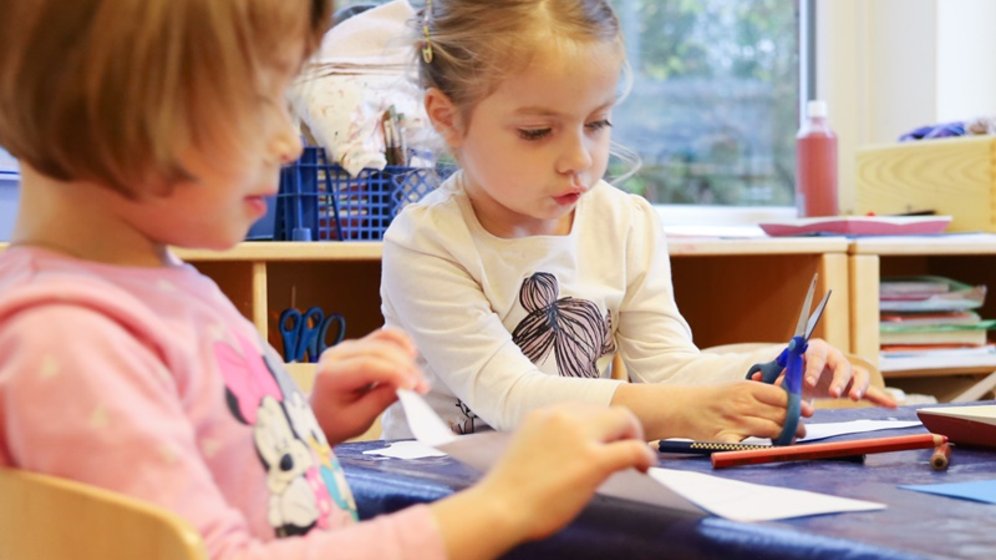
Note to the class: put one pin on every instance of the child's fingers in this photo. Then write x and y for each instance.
(880, 397)
(374, 402)
(844, 375)
(360, 370)
(806, 409)
(397, 337)
(611, 424)
(763, 427)
(859, 381)
(770, 397)
(629, 453)
(767, 415)
(369, 346)
(816, 361)
(758, 426)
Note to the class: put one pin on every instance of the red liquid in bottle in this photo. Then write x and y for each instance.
(816, 165)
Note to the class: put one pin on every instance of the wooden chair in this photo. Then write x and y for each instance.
(45, 517)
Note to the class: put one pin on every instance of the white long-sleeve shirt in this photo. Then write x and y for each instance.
(508, 325)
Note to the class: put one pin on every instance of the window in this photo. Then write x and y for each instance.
(714, 106)
(713, 110)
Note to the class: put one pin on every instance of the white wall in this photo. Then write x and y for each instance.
(888, 66)
(966, 71)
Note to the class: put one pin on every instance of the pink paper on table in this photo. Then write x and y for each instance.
(858, 225)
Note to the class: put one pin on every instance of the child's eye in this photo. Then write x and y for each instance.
(533, 133)
(599, 125)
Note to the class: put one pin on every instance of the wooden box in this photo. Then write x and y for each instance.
(951, 176)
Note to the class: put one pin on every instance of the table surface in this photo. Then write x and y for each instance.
(914, 524)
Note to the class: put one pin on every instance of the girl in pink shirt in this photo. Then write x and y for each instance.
(141, 124)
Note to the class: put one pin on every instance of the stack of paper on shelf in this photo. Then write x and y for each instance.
(923, 315)
(935, 329)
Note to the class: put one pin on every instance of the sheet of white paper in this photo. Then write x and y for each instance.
(744, 501)
(406, 450)
(825, 430)
(830, 429)
(425, 424)
(699, 493)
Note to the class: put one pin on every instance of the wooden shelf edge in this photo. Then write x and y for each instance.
(289, 251)
(939, 371)
(954, 244)
(694, 246)
(372, 250)
(283, 251)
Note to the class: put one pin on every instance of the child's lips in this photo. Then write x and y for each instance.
(257, 203)
(569, 197)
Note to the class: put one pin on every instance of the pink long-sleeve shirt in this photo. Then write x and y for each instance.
(149, 382)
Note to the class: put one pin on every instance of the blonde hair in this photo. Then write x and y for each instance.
(111, 91)
(476, 44)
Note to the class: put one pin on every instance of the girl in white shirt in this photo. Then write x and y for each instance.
(523, 275)
(145, 124)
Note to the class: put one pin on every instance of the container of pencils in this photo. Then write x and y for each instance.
(320, 201)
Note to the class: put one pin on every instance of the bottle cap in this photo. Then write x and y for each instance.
(816, 108)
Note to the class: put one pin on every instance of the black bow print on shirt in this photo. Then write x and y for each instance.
(574, 328)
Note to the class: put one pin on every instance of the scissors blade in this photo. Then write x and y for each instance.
(800, 326)
(817, 313)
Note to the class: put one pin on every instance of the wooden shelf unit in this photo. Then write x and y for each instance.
(264, 278)
(730, 290)
(969, 258)
(751, 289)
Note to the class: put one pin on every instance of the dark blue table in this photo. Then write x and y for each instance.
(914, 525)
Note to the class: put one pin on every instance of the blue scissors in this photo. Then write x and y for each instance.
(790, 360)
(306, 334)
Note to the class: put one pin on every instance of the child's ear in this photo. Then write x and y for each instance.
(445, 116)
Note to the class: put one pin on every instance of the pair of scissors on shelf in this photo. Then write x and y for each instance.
(791, 361)
(307, 334)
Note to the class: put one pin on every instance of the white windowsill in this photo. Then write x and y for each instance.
(719, 221)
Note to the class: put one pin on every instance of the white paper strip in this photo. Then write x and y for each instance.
(687, 491)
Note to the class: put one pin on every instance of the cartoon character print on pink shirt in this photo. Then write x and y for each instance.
(302, 476)
(329, 471)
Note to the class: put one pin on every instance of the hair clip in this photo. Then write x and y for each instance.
(427, 47)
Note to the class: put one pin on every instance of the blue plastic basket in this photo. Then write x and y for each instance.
(320, 201)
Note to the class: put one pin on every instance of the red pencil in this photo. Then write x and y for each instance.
(806, 451)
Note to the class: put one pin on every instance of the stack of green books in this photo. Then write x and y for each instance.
(925, 313)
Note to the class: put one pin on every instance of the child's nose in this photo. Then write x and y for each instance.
(287, 148)
(285, 144)
(576, 155)
(285, 139)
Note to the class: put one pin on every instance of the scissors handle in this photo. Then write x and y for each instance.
(299, 332)
(311, 325)
(290, 334)
(320, 343)
(792, 415)
(790, 360)
(794, 357)
(769, 370)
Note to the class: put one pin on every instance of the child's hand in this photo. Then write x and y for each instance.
(726, 412)
(829, 374)
(356, 381)
(729, 412)
(557, 459)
